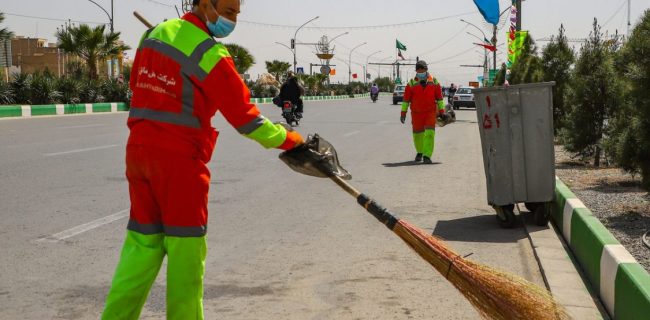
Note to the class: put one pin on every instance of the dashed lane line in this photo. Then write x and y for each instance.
(84, 227)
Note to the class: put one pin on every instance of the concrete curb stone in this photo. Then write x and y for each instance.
(621, 282)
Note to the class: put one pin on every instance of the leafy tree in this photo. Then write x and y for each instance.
(630, 143)
(528, 66)
(6, 93)
(43, 89)
(595, 94)
(277, 68)
(557, 60)
(90, 44)
(21, 85)
(242, 58)
(5, 34)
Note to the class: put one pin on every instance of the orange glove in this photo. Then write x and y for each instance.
(293, 140)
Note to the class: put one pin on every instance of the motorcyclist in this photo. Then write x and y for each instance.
(374, 91)
(291, 90)
(451, 92)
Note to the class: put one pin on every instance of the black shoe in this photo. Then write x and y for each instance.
(427, 160)
(418, 157)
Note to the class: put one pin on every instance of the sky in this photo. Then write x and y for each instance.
(441, 40)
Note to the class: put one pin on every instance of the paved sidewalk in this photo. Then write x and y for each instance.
(561, 273)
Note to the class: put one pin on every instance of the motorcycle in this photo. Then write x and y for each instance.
(374, 97)
(289, 113)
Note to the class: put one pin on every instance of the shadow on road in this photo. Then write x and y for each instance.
(481, 228)
(407, 164)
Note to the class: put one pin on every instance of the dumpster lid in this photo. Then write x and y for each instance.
(516, 86)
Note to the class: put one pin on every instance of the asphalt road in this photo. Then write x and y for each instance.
(281, 245)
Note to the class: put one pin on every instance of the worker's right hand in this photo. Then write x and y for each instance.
(293, 139)
(402, 117)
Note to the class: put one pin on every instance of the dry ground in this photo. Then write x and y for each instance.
(614, 196)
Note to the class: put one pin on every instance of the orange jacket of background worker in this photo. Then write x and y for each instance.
(181, 77)
(424, 96)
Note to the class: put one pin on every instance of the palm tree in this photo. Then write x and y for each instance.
(90, 44)
(5, 34)
(277, 68)
(242, 58)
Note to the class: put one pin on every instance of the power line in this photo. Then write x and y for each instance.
(404, 24)
(615, 13)
(160, 3)
(52, 19)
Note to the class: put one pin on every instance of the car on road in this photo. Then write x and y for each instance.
(398, 93)
(464, 97)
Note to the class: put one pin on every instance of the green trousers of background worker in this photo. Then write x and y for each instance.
(424, 132)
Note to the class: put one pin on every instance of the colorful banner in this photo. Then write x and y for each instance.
(515, 44)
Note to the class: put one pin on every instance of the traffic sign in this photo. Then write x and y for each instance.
(325, 70)
(300, 70)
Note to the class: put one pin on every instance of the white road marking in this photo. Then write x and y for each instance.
(80, 150)
(349, 134)
(84, 126)
(84, 227)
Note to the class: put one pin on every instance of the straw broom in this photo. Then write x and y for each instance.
(494, 294)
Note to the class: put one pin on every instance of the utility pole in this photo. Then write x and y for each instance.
(518, 5)
(629, 17)
(293, 44)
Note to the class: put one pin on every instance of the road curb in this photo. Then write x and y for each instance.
(26, 111)
(18, 111)
(621, 282)
(313, 98)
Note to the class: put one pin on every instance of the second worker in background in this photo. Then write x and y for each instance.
(424, 95)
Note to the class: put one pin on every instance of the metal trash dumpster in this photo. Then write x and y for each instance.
(516, 127)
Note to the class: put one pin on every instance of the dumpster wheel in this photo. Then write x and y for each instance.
(541, 212)
(506, 215)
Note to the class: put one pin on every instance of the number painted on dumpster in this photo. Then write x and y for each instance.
(487, 121)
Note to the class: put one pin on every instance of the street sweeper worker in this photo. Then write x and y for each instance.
(181, 78)
(423, 95)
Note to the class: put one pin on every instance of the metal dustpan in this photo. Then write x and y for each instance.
(316, 157)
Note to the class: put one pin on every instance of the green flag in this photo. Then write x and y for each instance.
(399, 45)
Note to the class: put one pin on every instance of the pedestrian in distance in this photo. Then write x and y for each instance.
(423, 95)
(181, 78)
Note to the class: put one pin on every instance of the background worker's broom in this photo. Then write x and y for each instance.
(495, 294)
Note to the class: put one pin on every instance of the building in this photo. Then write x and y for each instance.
(30, 55)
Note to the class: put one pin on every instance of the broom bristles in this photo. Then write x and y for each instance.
(495, 294)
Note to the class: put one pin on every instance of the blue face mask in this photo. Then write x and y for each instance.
(422, 76)
(222, 28)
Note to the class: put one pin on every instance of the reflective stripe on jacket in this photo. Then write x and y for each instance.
(180, 78)
(421, 98)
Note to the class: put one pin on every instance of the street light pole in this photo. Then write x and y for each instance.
(350, 62)
(110, 15)
(365, 67)
(342, 34)
(379, 66)
(294, 44)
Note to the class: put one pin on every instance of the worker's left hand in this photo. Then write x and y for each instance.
(402, 117)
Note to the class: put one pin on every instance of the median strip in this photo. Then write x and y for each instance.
(26, 111)
(622, 283)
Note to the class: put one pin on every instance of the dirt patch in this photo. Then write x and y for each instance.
(614, 196)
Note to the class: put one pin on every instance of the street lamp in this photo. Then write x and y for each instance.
(379, 66)
(284, 45)
(350, 62)
(342, 34)
(293, 43)
(110, 16)
(365, 67)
